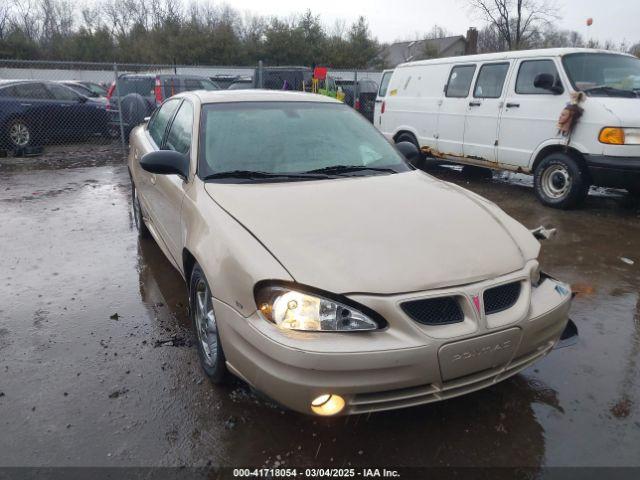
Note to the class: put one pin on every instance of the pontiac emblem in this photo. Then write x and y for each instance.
(476, 302)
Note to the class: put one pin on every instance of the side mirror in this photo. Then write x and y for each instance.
(82, 99)
(409, 151)
(546, 81)
(166, 162)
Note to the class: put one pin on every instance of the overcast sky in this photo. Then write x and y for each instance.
(402, 19)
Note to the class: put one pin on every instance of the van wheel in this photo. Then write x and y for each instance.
(560, 182)
(205, 325)
(408, 137)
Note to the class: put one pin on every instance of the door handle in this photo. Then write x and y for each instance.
(474, 104)
(513, 105)
(25, 104)
(65, 106)
(379, 100)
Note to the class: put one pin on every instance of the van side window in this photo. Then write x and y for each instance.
(527, 73)
(491, 80)
(460, 81)
(384, 84)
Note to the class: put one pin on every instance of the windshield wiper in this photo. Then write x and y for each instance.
(257, 175)
(610, 91)
(338, 169)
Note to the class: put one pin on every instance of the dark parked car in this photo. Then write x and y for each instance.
(88, 89)
(276, 78)
(34, 112)
(141, 93)
(242, 84)
(366, 95)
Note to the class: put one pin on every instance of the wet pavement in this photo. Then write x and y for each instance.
(97, 366)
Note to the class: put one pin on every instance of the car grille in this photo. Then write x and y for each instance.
(434, 311)
(501, 298)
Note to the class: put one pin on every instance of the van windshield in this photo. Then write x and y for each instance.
(604, 74)
(298, 140)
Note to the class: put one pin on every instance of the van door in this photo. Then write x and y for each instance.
(382, 93)
(453, 110)
(483, 112)
(530, 114)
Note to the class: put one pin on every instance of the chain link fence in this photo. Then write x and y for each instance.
(44, 103)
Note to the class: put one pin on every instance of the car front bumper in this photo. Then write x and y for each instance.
(389, 369)
(614, 171)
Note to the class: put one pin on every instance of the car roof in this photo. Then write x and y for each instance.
(162, 75)
(508, 55)
(226, 96)
(20, 81)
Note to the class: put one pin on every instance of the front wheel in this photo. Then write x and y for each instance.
(205, 325)
(560, 182)
(143, 231)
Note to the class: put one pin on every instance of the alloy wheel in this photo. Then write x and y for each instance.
(206, 325)
(19, 134)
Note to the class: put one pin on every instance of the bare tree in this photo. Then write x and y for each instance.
(515, 21)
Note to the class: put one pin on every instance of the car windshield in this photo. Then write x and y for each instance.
(280, 138)
(97, 89)
(603, 73)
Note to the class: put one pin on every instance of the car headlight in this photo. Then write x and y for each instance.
(292, 309)
(620, 136)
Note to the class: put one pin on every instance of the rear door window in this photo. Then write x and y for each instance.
(179, 136)
(140, 85)
(460, 81)
(528, 71)
(491, 80)
(31, 90)
(158, 124)
(62, 93)
(384, 84)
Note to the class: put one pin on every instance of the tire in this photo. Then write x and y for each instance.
(134, 108)
(408, 137)
(19, 134)
(205, 327)
(143, 230)
(560, 182)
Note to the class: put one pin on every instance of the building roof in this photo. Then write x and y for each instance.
(401, 52)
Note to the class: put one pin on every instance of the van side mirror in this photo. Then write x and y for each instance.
(166, 162)
(409, 151)
(546, 81)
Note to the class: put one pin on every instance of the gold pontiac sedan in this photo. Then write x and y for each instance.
(326, 271)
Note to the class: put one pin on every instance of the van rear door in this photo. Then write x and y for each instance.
(382, 93)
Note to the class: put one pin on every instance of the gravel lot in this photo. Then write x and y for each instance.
(97, 366)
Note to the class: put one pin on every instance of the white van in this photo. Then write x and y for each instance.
(501, 110)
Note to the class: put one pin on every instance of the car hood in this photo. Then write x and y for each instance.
(379, 234)
(626, 110)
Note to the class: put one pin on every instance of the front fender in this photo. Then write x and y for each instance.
(232, 259)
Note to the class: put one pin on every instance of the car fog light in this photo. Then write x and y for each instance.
(327, 405)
